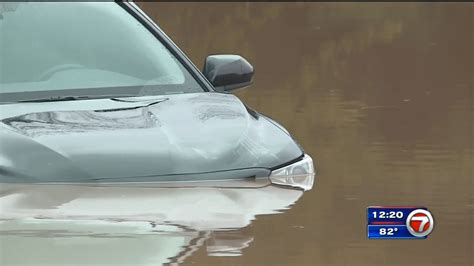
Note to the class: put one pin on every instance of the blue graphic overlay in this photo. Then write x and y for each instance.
(390, 222)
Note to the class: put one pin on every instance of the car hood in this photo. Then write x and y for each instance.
(155, 138)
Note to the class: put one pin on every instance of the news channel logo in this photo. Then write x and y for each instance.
(399, 222)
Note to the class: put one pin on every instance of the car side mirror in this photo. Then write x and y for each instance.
(228, 72)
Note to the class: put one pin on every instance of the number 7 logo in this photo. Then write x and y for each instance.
(420, 223)
(424, 220)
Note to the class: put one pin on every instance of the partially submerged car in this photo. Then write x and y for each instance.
(97, 93)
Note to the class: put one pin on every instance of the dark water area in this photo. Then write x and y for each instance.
(380, 94)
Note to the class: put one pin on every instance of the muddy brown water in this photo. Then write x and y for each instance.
(379, 94)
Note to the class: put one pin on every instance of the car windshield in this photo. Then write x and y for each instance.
(83, 49)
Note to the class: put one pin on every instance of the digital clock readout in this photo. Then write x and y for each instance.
(388, 215)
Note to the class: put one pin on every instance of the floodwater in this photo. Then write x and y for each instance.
(379, 94)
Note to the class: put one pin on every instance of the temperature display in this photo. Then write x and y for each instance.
(399, 222)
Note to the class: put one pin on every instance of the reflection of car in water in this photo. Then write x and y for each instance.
(113, 225)
(97, 93)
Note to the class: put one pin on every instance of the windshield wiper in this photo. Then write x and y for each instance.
(55, 99)
(73, 98)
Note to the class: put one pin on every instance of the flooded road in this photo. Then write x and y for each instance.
(379, 94)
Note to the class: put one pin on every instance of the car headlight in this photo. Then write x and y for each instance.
(299, 174)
